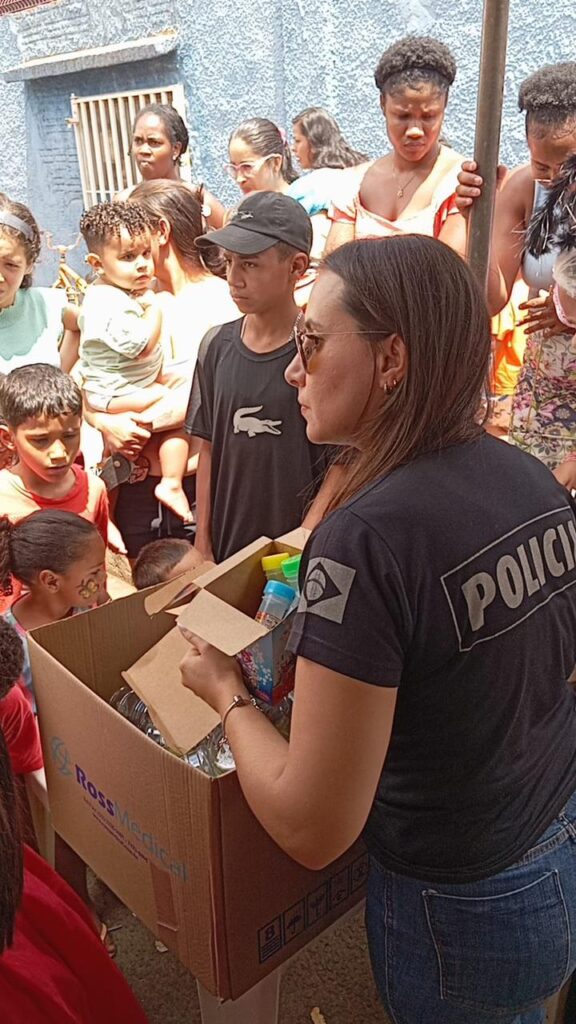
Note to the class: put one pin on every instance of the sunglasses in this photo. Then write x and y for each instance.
(308, 344)
(248, 169)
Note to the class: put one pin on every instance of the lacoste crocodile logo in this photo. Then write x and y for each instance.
(245, 422)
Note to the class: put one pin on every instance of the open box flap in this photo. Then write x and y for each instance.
(297, 538)
(219, 623)
(183, 718)
(175, 590)
(211, 572)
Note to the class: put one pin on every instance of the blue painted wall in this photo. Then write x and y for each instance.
(240, 59)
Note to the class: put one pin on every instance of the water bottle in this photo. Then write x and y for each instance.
(276, 603)
(290, 571)
(133, 708)
(272, 567)
(213, 755)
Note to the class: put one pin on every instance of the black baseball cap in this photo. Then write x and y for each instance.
(260, 221)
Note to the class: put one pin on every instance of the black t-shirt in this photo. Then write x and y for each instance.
(264, 470)
(453, 579)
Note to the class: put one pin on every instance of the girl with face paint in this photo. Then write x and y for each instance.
(60, 559)
(410, 189)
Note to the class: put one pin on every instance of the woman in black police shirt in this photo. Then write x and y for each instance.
(436, 633)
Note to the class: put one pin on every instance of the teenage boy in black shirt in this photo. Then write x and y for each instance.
(257, 471)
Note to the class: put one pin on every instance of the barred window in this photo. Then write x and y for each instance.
(102, 127)
(13, 6)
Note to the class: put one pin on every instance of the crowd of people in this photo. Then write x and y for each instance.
(321, 355)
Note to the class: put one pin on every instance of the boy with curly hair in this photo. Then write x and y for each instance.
(120, 330)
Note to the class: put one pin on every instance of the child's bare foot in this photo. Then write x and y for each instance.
(170, 493)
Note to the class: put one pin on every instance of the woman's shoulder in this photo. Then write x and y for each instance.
(444, 174)
(518, 187)
(314, 190)
(450, 158)
(348, 183)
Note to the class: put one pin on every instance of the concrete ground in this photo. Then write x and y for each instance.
(332, 973)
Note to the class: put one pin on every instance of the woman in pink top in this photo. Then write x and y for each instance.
(410, 190)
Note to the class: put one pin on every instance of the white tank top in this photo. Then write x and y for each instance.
(537, 270)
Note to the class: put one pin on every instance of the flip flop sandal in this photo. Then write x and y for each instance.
(115, 471)
(107, 941)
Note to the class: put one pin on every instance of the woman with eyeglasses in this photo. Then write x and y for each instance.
(543, 419)
(260, 159)
(434, 640)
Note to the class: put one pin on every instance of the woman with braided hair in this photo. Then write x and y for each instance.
(552, 231)
(543, 417)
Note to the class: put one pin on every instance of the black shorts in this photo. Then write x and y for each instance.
(142, 518)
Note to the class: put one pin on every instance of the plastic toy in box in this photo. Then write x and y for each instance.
(267, 666)
(221, 608)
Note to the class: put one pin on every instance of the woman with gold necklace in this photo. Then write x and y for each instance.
(411, 189)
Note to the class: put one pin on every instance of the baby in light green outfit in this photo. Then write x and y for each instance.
(120, 329)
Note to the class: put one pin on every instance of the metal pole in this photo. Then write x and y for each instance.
(487, 140)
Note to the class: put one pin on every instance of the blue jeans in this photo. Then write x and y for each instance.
(488, 952)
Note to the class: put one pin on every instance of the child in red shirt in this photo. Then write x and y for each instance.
(41, 412)
(17, 720)
(59, 557)
(40, 421)
(53, 967)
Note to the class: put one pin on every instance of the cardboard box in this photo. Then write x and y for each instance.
(223, 614)
(217, 603)
(181, 850)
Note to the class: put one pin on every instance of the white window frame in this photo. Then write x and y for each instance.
(102, 130)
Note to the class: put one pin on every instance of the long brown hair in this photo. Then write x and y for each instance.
(328, 146)
(181, 206)
(265, 139)
(419, 289)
